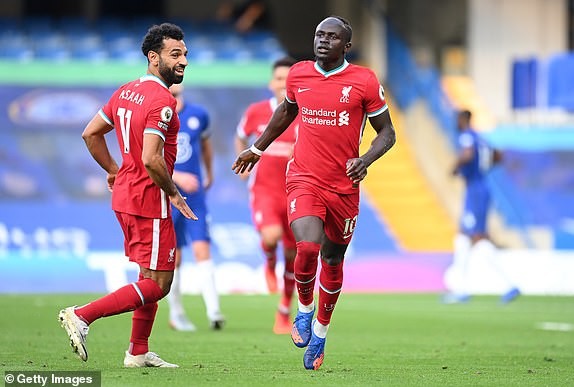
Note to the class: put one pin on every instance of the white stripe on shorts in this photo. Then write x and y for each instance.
(164, 204)
(154, 245)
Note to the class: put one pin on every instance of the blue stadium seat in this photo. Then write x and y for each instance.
(560, 81)
(51, 47)
(91, 54)
(117, 39)
(16, 48)
(524, 83)
(125, 49)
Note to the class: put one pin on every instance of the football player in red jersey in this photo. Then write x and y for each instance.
(268, 197)
(333, 99)
(146, 123)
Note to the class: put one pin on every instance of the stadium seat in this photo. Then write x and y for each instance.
(51, 47)
(16, 48)
(111, 38)
(560, 80)
(524, 81)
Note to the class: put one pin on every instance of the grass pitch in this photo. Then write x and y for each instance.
(374, 340)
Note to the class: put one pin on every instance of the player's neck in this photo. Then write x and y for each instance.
(157, 75)
(330, 65)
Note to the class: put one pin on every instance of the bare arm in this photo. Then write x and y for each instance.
(240, 144)
(187, 182)
(383, 141)
(281, 119)
(152, 158)
(207, 155)
(94, 137)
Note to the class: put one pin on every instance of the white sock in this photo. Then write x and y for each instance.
(462, 246)
(283, 309)
(306, 308)
(320, 330)
(206, 275)
(174, 296)
(455, 276)
(485, 249)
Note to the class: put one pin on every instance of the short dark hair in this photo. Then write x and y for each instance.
(153, 40)
(466, 114)
(346, 26)
(286, 61)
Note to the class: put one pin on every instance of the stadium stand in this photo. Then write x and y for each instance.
(532, 186)
(110, 38)
(399, 190)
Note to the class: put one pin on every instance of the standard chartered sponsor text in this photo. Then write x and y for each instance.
(318, 121)
(318, 112)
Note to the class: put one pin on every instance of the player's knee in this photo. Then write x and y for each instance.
(307, 258)
(164, 283)
(333, 253)
(165, 287)
(308, 250)
(290, 254)
(270, 236)
(333, 260)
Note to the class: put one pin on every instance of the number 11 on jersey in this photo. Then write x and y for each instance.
(125, 122)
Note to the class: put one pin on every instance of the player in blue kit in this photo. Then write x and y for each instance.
(194, 149)
(475, 160)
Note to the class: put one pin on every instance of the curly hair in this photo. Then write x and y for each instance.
(153, 40)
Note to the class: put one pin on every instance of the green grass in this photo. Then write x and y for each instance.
(374, 339)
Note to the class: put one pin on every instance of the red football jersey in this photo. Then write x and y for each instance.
(333, 108)
(269, 173)
(142, 106)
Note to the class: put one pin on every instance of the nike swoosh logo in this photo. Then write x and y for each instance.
(347, 236)
(300, 90)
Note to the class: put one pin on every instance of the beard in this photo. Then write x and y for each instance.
(168, 74)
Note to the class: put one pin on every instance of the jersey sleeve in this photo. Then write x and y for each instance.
(465, 140)
(289, 89)
(246, 128)
(375, 102)
(159, 117)
(106, 112)
(205, 129)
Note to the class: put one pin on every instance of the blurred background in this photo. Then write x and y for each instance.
(508, 61)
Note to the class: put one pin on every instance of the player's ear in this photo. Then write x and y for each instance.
(348, 46)
(153, 57)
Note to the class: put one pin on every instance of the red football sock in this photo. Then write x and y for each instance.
(142, 323)
(330, 283)
(288, 284)
(123, 300)
(306, 263)
(270, 255)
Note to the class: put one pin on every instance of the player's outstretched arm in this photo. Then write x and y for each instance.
(152, 158)
(179, 202)
(280, 120)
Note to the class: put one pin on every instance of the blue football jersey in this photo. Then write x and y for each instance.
(482, 159)
(194, 127)
(477, 197)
